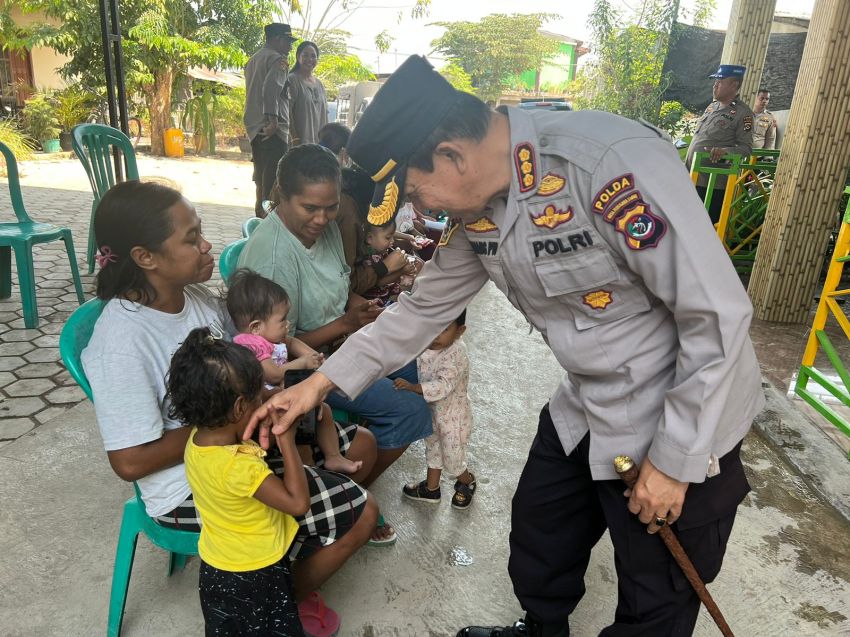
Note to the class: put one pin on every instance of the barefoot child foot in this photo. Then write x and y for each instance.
(341, 464)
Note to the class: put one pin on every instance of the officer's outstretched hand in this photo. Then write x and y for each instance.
(655, 496)
(284, 408)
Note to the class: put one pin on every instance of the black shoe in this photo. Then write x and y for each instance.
(463, 494)
(519, 629)
(421, 492)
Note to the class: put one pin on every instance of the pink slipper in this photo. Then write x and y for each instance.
(318, 620)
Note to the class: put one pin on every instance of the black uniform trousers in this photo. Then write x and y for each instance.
(266, 153)
(559, 513)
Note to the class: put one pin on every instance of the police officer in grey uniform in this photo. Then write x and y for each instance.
(266, 114)
(726, 127)
(764, 123)
(589, 225)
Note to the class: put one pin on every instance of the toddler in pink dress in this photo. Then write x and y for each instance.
(258, 307)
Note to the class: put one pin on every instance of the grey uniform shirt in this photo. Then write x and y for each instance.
(604, 246)
(266, 93)
(729, 127)
(764, 130)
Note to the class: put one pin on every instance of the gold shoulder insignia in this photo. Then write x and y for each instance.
(525, 169)
(484, 224)
(381, 214)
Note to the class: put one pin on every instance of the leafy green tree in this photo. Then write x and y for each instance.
(495, 49)
(162, 39)
(457, 77)
(626, 76)
(336, 70)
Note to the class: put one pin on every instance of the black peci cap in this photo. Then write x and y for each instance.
(398, 120)
(279, 30)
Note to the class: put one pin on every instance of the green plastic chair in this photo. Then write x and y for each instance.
(93, 144)
(21, 236)
(230, 257)
(249, 226)
(180, 544)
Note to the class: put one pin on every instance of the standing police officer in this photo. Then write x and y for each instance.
(764, 123)
(726, 127)
(266, 115)
(588, 223)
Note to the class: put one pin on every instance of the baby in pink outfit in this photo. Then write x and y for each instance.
(258, 307)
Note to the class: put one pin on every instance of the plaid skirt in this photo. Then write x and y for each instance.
(336, 502)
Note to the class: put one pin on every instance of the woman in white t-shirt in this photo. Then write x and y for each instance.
(153, 261)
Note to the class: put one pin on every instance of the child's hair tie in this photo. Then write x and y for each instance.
(216, 333)
(105, 255)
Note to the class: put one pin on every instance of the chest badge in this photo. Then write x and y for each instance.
(484, 224)
(449, 229)
(598, 299)
(525, 170)
(550, 184)
(552, 217)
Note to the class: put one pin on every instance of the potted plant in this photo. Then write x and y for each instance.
(72, 107)
(40, 122)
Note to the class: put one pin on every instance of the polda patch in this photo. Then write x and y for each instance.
(598, 299)
(525, 169)
(748, 123)
(610, 191)
(551, 216)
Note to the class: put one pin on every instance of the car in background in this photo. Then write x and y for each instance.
(546, 105)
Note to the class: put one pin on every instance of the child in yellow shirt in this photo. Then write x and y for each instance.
(246, 511)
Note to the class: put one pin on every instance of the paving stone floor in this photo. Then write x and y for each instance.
(34, 385)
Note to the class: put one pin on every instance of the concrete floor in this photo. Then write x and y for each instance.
(787, 569)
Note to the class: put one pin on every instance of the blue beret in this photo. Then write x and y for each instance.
(728, 70)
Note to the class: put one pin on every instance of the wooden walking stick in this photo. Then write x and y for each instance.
(628, 471)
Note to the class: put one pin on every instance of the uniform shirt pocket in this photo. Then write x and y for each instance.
(590, 285)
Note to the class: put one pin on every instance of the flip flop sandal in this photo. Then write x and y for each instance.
(317, 619)
(389, 540)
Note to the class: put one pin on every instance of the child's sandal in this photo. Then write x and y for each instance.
(420, 491)
(463, 494)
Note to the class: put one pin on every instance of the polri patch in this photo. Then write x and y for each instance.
(611, 191)
(525, 170)
(563, 244)
(448, 231)
(748, 123)
(551, 217)
(550, 184)
(484, 224)
(641, 228)
(598, 299)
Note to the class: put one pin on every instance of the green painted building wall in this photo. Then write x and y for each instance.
(555, 74)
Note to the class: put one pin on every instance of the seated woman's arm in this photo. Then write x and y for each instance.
(127, 403)
(137, 462)
(359, 312)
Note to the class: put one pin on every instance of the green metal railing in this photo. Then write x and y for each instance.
(818, 339)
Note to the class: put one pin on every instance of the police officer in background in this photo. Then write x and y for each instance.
(589, 225)
(726, 127)
(764, 123)
(266, 115)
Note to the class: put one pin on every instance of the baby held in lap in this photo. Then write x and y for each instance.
(258, 307)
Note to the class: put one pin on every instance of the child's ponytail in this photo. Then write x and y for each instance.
(207, 376)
